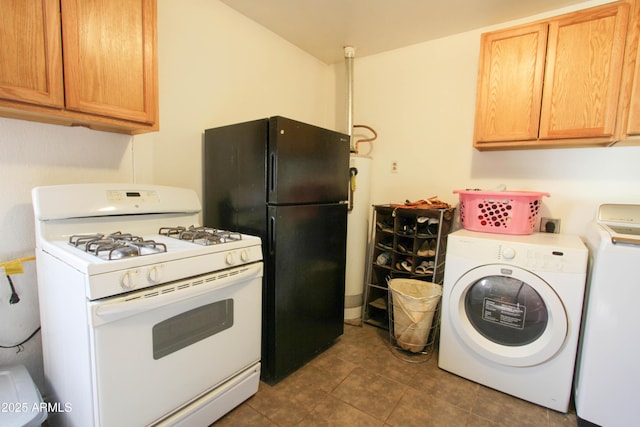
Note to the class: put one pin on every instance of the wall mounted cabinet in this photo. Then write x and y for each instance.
(78, 62)
(553, 83)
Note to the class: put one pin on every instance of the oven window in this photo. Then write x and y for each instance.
(506, 311)
(192, 326)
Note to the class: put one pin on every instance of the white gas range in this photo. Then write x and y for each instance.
(146, 318)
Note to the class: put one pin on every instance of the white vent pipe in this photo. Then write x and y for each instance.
(349, 54)
(357, 224)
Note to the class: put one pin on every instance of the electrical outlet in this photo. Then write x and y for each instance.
(550, 225)
(394, 166)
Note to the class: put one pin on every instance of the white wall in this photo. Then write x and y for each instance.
(33, 154)
(421, 100)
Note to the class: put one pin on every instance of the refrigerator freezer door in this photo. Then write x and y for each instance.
(234, 166)
(305, 291)
(306, 164)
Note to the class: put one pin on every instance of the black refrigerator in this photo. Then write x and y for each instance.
(287, 182)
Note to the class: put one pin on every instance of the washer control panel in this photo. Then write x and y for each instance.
(545, 260)
(537, 252)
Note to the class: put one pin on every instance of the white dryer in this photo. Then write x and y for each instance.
(511, 310)
(608, 368)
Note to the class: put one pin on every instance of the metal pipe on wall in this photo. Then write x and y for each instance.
(349, 54)
(359, 208)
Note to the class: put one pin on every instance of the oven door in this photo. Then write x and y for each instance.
(157, 349)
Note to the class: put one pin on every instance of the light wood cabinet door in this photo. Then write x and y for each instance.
(109, 59)
(633, 127)
(584, 69)
(510, 84)
(30, 52)
(633, 57)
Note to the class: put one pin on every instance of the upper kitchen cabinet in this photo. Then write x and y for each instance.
(553, 83)
(106, 51)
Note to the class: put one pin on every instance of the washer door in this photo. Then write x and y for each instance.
(508, 315)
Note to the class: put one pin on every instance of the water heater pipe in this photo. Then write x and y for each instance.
(357, 225)
(349, 54)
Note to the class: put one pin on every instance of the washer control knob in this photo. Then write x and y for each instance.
(508, 253)
(230, 259)
(128, 280)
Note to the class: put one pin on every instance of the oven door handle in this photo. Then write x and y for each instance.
(125, 306)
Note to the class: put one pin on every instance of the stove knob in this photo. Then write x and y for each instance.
(128, 280)
(244, 255)
(154, 274)
(230, 259)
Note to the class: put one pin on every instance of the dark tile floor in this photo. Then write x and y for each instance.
(360, 382)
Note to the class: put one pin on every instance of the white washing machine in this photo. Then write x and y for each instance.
(608, 368)
(511, 310)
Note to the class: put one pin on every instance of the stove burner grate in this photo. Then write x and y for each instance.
(116, 245)
(201, 235)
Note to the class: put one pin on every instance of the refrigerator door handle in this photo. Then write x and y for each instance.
(272, 235)
(273, 163)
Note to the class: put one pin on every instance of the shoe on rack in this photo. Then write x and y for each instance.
(384, 258)
(402, 248)
(407, 230)
(428, 248)
(385, 225)
(432, 225)
(406, 264)
(433, 245)
(385, 244)
(424, 249)
(423, 228)
(425, 267)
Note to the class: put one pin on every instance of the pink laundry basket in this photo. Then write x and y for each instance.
(503, 212)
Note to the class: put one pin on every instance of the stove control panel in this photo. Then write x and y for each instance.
(135, 197)
(152, 274)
